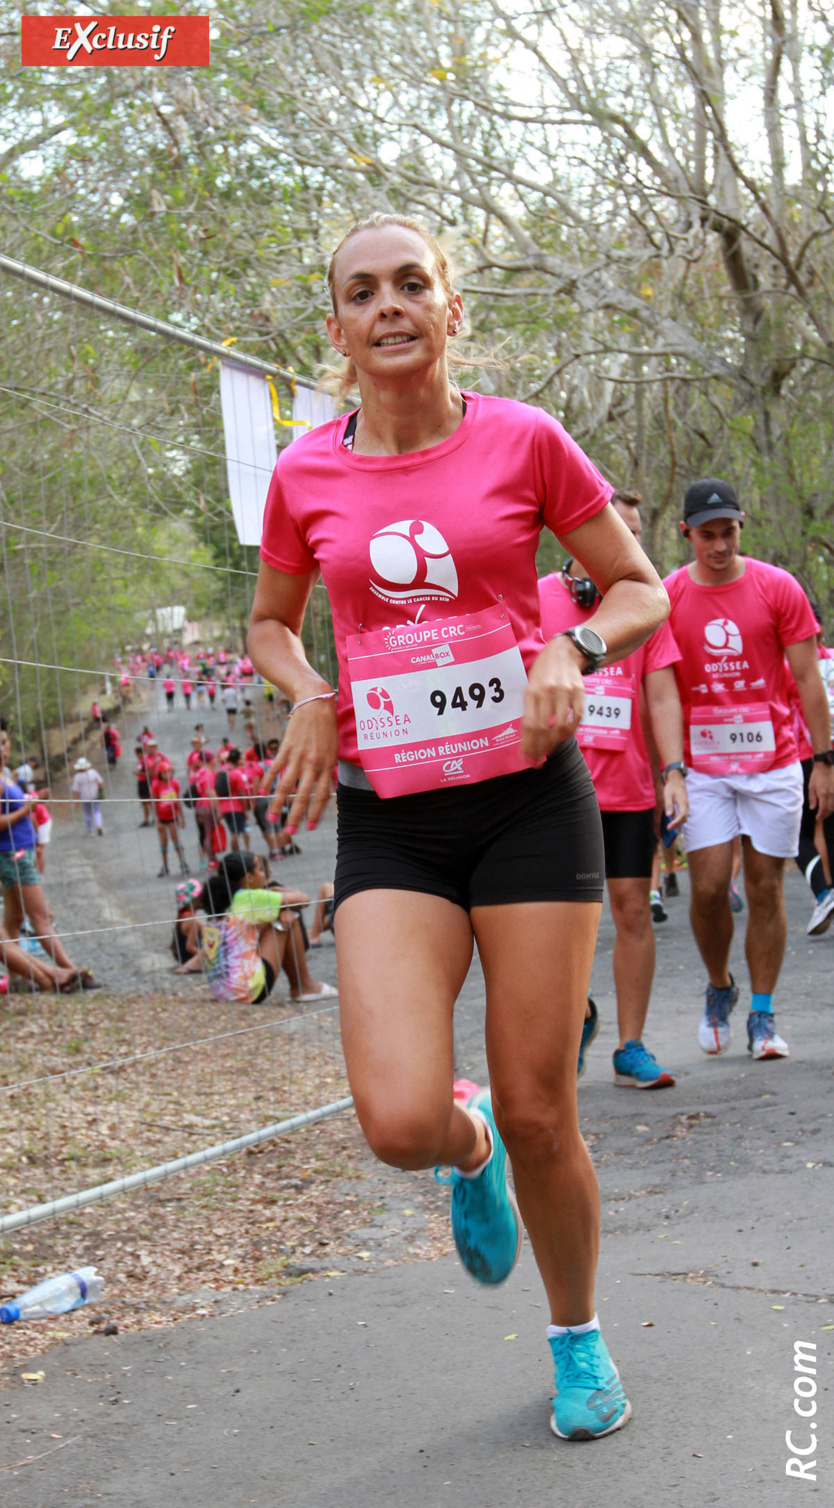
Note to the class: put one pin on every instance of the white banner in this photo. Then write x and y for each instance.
(310, 409)
(251, 452)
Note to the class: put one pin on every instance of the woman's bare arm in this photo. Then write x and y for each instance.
(305, 760)
(634, 603)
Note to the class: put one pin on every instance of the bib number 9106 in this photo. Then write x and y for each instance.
(477, 694)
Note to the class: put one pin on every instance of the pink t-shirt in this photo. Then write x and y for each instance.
(238, 791)
(622, 778)
(800, 728)
(732, 640)
(433, 534)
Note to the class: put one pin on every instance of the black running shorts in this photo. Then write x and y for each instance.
(630, 843)
(532, 836)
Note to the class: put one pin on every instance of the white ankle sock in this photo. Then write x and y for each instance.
(475, 1172)
(573, 1329)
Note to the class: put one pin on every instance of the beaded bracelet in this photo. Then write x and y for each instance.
(322, 696)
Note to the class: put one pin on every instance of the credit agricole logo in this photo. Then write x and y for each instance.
(114, 41)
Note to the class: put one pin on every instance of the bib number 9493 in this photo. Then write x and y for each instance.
(476, 692)
(439, 702)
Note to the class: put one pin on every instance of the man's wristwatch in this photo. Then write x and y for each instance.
(826, 757)
(590, 644)
(677, 764)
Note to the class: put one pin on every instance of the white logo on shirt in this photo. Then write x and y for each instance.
(413, 563)
(722, 635)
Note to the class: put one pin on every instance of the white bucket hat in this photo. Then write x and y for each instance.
(82, 764)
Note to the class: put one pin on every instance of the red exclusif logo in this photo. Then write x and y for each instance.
(114, 42)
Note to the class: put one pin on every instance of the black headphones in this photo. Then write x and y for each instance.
(583, 592)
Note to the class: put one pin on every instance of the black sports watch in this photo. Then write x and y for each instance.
(590, 644)
(826, 757)
(677, 764)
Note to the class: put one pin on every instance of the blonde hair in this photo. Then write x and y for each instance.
(342, 379)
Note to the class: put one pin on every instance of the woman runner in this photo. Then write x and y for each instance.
(426, 504)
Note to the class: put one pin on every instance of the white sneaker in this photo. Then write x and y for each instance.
(821, 916)
(763, 1040)
(714, 1026)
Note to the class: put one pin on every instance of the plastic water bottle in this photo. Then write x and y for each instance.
(56, 1296)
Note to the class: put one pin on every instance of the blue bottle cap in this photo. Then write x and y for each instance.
(9, 1313)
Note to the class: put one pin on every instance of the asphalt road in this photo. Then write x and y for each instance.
(409, 1385)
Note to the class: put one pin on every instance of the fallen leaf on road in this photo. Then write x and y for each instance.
(32, 1376)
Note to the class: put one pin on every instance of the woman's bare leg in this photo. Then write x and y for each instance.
(34, 903)
(537, 965)
(272, 946)
(402, 958)
(295, 959)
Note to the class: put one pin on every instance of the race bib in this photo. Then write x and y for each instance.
(438, 703)
(732, 740)
(606, 721)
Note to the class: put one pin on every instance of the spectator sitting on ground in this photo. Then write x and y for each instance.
(246, 940)
(22, 892)
(49, 977)
(188, 929)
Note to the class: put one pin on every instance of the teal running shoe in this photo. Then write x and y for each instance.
(637, 1068)
(590, 1028)
(590, 1401)
(486, 1223)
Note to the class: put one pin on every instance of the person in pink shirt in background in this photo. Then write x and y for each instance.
(736, 620)
(816, 836)
(611, 739)
(232, 790)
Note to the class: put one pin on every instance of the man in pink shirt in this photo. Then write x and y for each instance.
(736, 620)
(611, 739)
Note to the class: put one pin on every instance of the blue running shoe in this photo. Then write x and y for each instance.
(486, 1223)
(590, 1401)
(637, 1068)
(590, 1027)
(714, 1026)
(763, 1040)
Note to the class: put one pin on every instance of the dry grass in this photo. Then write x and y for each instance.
(98, 1086)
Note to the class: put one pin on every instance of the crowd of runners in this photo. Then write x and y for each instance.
(501, 745)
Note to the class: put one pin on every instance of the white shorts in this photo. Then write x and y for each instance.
(44, 832)
(765, 807)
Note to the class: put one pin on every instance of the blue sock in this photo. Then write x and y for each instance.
(762, 1003)
(823, 893)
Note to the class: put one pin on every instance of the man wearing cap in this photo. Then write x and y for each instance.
(735, 620)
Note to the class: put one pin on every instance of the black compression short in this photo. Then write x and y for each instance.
(532, 836)
(629, 844)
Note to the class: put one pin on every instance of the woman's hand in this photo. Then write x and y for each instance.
(304, 764)
(554, 700)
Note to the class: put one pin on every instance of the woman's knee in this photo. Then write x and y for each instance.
(537, 1127)
(403, 1137)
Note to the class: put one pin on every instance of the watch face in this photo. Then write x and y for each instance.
(592, 641)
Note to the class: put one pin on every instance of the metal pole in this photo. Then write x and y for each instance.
(148, 322)
(162, 1170)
